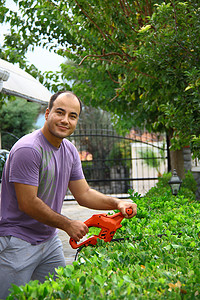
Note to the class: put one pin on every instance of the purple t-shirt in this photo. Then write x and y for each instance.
(34, 161)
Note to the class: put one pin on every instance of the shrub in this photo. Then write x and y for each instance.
(158, 259)
(189, 182)
(163, 180)
(188, 186)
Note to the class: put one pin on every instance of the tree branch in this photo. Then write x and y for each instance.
(102, 55)
(123, 7)
(115, 53)
(106, 35)
(126, 15)
(86, 14)
(70, 21)
(112, 78)
(116, 96)
(58, 9)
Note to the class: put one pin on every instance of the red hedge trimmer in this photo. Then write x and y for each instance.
(108, 224)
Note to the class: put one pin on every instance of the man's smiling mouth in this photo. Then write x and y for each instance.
(63, 127)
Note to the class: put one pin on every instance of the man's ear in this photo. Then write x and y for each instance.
(47, 113)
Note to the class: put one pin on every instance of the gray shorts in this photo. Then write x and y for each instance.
(21, 262)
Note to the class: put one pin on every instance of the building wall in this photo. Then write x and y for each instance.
(142, 169)
(194, 167)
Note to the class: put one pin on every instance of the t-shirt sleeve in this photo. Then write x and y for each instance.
(24, 166)
(77, 171)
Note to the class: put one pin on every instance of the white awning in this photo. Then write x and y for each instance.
(14, 81)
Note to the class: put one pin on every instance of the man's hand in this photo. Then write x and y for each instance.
(122, 206)
(76, 230)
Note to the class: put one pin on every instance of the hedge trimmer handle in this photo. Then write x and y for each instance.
(108, 224)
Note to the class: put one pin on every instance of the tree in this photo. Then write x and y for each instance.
(17, 119)
(137, 59)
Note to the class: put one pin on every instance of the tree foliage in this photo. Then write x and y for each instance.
(136, 59)
(16, 119)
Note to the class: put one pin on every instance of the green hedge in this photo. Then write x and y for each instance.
(159, 258)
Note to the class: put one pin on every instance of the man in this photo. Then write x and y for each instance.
(40, 168)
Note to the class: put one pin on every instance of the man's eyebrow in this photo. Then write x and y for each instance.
(59, 108)
(72, 113)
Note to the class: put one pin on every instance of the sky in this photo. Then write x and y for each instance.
(45, 60)
(40, 57)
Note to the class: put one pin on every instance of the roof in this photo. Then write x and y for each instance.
(22, 84)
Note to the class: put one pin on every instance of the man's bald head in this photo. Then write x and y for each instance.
(55, 96)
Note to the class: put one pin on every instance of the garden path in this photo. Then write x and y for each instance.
(76, 212)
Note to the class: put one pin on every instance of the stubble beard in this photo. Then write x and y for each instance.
(58, 134)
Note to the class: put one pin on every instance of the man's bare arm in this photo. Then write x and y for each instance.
(95, 200)
(33, 206)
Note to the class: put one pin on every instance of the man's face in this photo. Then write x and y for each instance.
(63, 117)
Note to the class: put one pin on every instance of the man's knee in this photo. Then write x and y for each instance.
(15, 267)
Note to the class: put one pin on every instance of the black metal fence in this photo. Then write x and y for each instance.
(113, 164)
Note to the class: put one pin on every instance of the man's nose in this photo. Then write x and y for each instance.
(65, 119)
